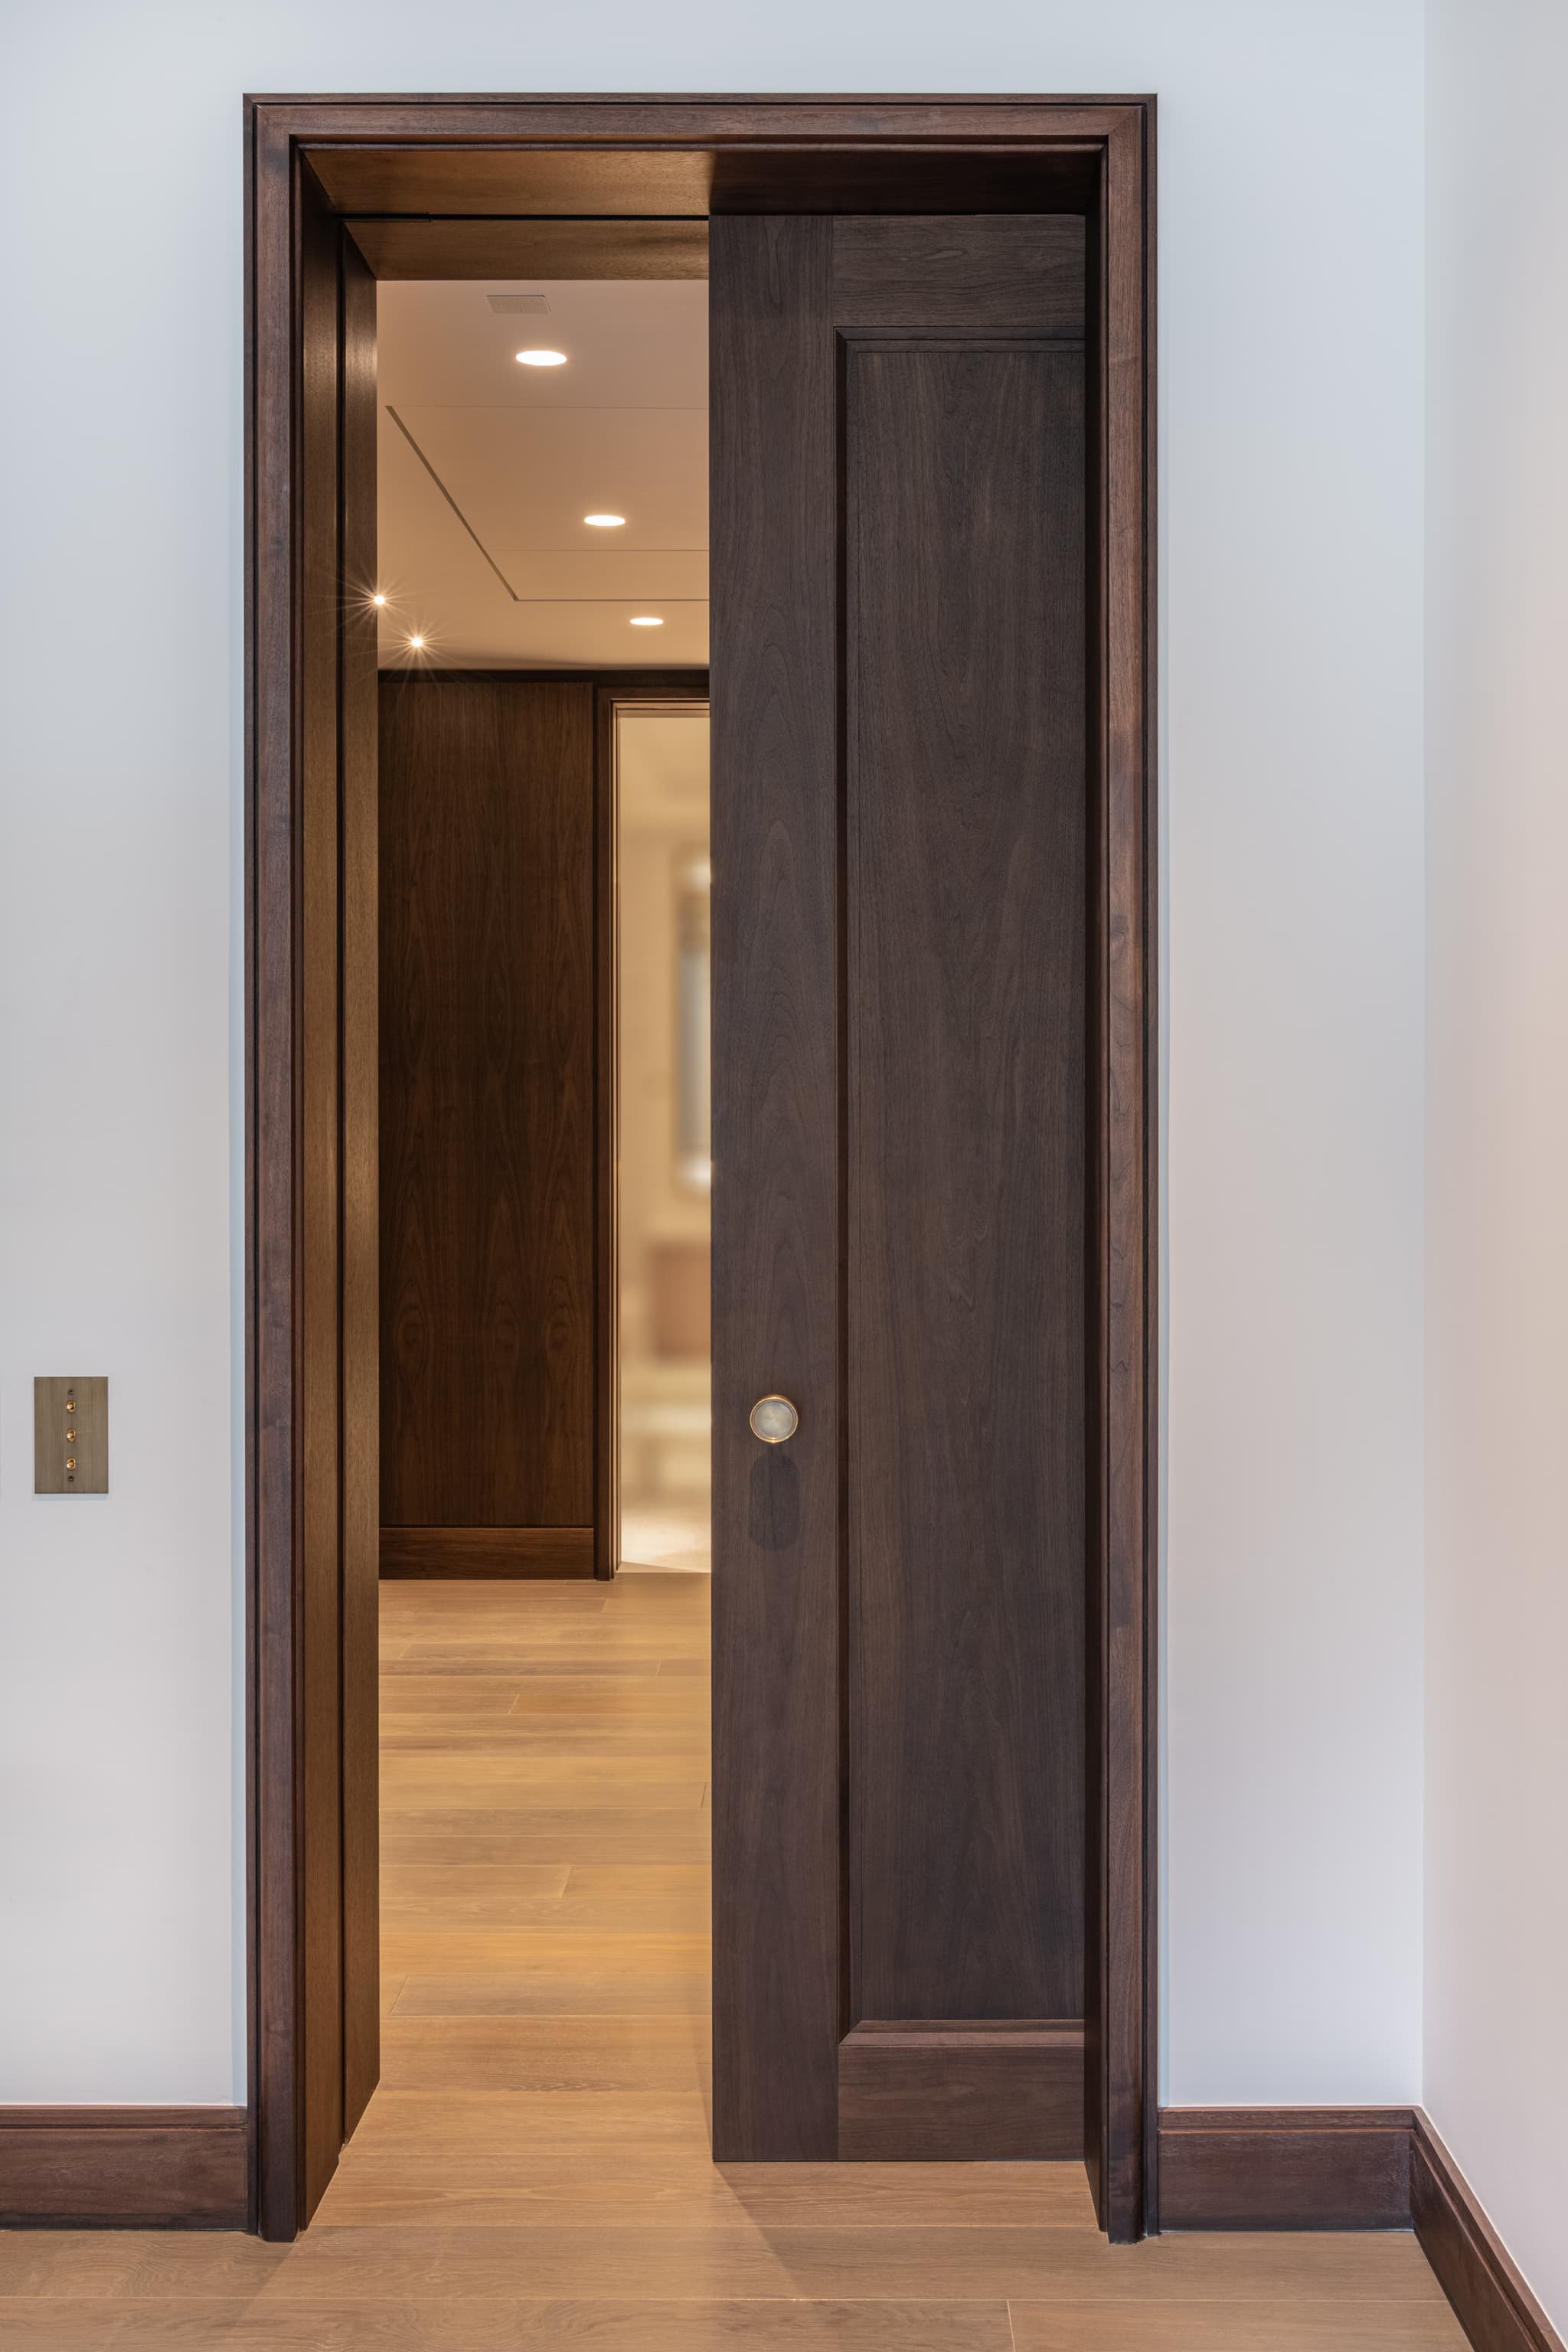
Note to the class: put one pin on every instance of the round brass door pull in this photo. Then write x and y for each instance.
(773, 1419)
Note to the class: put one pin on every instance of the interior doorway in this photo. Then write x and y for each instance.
(922, 303)
(544, 1157)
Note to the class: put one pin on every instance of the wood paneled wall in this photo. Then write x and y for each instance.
(487, 1120)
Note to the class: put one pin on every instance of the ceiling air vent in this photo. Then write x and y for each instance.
(516, 306)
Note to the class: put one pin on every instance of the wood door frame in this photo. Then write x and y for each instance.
(443, 168)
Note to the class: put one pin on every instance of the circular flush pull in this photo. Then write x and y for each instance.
(773, 1419)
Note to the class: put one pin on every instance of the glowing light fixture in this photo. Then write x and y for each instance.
(541, 359)
(646, 621)
(606, 522)
(417, 645)
(379, 597)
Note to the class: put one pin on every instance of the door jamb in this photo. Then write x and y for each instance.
(763, 154)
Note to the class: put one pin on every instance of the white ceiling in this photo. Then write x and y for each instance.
(520, 455)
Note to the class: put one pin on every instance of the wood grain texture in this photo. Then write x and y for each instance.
(426, 181)
(960, 1571)
(273, 686)
(776, 1598)
(1256, 2324)
(320, 1203)
(967, 808)
(532, 248)
(966, 271)
(122, 2168)
(410, 184)
(975, 2092)
(361, 1244)
(1472, 2265)
(487, 1551)
(819, 129)
(1285, 2168)
(486, 1103)
(1120, 2004)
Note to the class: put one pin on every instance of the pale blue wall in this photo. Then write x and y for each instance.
(1290, 229)
(1496, 2074)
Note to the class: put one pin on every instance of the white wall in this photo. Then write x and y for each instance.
(1497, 1657)
(1291, 358)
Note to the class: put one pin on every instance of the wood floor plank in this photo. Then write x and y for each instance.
(467, 1663)
(637, 1700)
(430, 1694)
(302, 2326)
(960, 2263)
(628, 1795)
(504, 1951)
(601, 2258)
(544, 2053)
(519, 2129)
(534, 2171)
(640, 1878)
(1261, 2326)
(589, 1639)
(476, 2174)
(549, 1992)
(531, 1770)
(599, 1836)
(523, 1882)
(411, 1735)
(686, 1915)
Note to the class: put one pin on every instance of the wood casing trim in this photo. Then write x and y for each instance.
(487, 1551)
(769, 155)
(1472, 2265)
(124, 2168)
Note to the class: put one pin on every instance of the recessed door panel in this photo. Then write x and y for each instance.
(964, 1024)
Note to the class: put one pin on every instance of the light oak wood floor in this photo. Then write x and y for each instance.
(535, 2171)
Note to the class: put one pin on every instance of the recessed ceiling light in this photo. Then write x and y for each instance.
(379, 597)
(418, 644)
(541, 359)
(606, 522)
(646, 621)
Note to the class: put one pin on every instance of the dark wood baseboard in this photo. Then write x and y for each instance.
(1494, 2307)
(1285, 2168)
(487, 1551)
(961, 2091)
(1350, 2168)
(123, 2168)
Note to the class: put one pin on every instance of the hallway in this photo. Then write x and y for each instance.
(535, 2169)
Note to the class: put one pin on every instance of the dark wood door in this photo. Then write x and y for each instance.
(900, 853)
(487, 1393)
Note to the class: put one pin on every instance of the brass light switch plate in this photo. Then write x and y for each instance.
(70, 1437)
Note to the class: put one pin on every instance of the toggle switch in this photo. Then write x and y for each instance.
(70, 1436)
